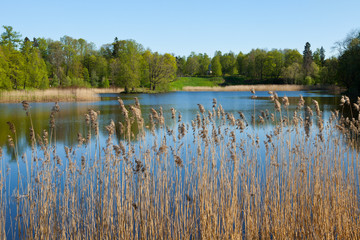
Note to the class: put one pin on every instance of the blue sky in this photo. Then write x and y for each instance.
(183, 26)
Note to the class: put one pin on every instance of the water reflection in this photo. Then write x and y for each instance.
(71, 118)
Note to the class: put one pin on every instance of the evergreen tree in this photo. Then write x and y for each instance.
(10, 38)
(322, 56)
(307, 59)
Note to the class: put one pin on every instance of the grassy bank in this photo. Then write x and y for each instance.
(55, 95)
(182, 82)
(238, 84)
(272, 87)
(207, 180)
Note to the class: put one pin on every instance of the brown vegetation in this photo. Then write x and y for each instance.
(207, 180)
(55, 94)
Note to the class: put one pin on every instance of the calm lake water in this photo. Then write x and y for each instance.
(71, 119)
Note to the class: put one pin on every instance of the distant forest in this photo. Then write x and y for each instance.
(41, 63)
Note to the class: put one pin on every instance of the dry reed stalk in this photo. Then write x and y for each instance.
(210, 182)
(51, 95)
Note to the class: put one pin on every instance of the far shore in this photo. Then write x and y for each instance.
(92, 94)
(56, 95)
(262, 87)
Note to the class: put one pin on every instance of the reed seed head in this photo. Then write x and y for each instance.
(12, 127)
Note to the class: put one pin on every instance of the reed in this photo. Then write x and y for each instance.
(208, 179)
(55, 95)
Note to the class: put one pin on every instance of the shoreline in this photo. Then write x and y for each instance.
(262, 87)
(55, 95)
(92, 94)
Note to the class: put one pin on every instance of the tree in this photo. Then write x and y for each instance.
(180, 63)
(307, 59)
(15, 72)
(204, 62)
(116, 48)
(240, 63)
(322, 56)
(126, 66)
(292, 56)
(192, 65)
(57, 61)
(316, 57)
(293, 73)
(228, 62)
(349, 62)
(260, 58)
(216, 66)
(328, 73)
(274, 63)
(10, 38)
(162, 69)
(5, 82)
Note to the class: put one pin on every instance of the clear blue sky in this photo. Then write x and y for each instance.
(183, 26)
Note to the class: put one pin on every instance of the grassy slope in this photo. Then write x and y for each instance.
(181, 82)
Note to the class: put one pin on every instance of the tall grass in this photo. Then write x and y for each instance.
(211, 179)
(55, 94)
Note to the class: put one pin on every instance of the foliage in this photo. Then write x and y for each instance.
(43, 63)
(307, 59)
(216, 67)
(10, 38)
(349, 63)
(228, 63)
(161, 68)
(125, 68)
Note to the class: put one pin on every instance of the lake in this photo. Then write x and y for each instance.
(225, 149)
(71, 118)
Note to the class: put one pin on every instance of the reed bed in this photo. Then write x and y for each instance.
(55, 94)
(261, 87)
(213, 178)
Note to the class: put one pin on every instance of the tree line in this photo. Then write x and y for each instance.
(43, 63)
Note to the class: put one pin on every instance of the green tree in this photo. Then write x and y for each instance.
(274, 64)
(35, 71)
(15, 72)
(162, 69)
(228, 63)
(5, 82)
(260, 58)
(10, 38)
(126, 67)
(328, 73)
(322, 56)
(293, 73)
(216, 66)
(192, 66)
(349, 63)
(240, 63)
(57, 61)
(180, 63)
(292, 56)
(204, 62)
(316, 57)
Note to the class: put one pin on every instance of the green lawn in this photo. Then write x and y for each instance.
(181, 82)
